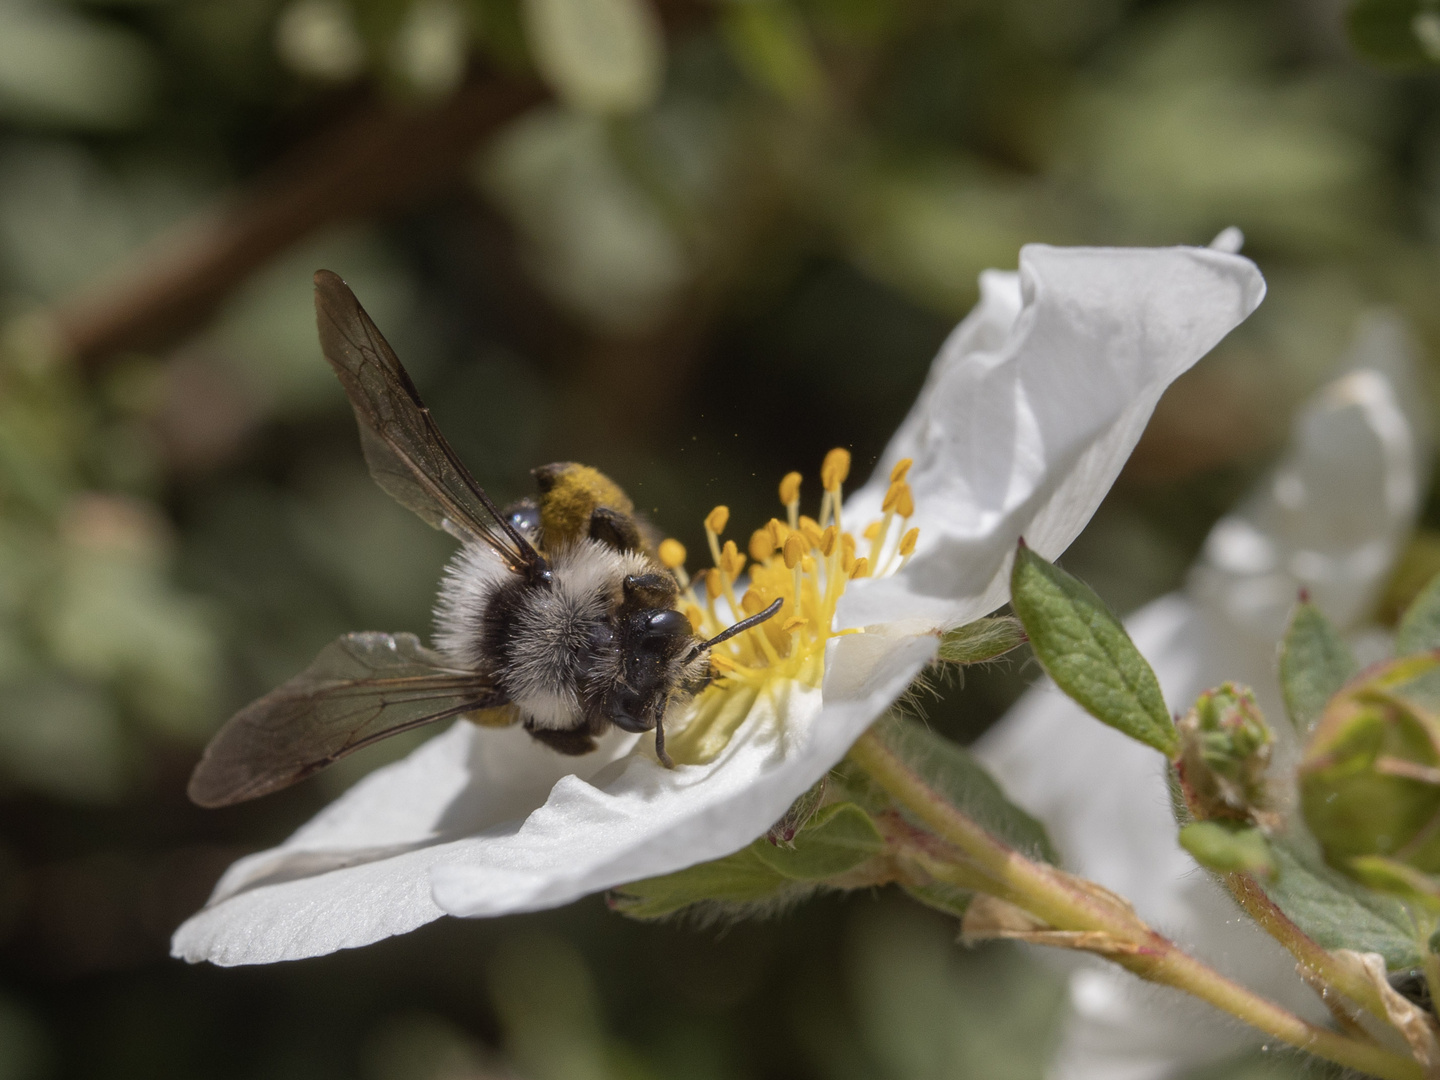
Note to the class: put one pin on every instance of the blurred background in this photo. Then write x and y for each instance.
(693, 242)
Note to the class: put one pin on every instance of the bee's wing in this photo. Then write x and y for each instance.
(407, 455)
(360, 689)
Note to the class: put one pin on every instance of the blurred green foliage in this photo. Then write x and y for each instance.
(733, 238)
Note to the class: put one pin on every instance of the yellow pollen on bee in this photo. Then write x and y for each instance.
(805, 563)
(901, 470)
(672, 554)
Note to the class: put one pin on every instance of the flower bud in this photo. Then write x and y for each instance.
(1370, 777)
(1224, 752)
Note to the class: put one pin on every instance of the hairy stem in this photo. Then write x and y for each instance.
(1067, 903)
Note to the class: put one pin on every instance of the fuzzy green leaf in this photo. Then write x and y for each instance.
(953, 772)
(838, 838)
(1420, 625)
(948, 899)
(981, 640)
(1085, 649)
(1336, 912)
(1226, 849)
(1314, 663)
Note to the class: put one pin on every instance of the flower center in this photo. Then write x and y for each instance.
(803, 562)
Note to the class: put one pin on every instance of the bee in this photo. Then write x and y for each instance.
(553, 614)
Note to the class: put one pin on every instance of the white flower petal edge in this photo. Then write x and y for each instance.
(503, 825)
(1348, 488)
(1033, 406)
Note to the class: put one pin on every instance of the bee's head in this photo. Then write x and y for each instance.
(655, 644)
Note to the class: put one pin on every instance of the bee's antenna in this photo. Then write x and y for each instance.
(741, 626)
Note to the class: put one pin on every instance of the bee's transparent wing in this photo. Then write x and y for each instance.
(407, 455)
(360, 689)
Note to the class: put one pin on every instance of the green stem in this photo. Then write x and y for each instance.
(1069, 903)
(1310, 953)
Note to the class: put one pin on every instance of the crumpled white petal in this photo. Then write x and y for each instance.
(1104, 797)
(1033, 406)
(486, 822)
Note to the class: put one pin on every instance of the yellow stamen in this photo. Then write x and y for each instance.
(790, 489)
(827, 540)
(731, 561)
(795, 622)
(717, 519)
(721, 661)
(779, 532)
(905, 501)
(810, 529)
(901, 470)
(907, 542)
(793, 551)
(712, 583)
(862, 568)
(871, 530)
(762, 545)
(892, 493)
(672, 554)
(696, 617)
(836, 468)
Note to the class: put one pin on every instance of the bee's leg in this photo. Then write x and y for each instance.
(660, 745)
(573, 743)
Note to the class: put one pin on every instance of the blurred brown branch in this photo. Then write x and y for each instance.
(383, 157)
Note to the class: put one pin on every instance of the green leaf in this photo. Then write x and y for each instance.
(1336, 912)
(981, 640)
(1420, 625)
(1226, 849)
(952, 771)
(949, 899)
(1397, 878)
(838, 838)
(1401, 34)
(1314, 663)
(1086, 650)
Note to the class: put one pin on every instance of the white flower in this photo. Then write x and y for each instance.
(1030, 410)
(1330, 517)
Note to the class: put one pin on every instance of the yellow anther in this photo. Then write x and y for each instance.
(731, 561)
(696, 617)
(721, 661)
(717, 519)
(861, 569)
(907, 542)
(795, 622)
(672, 554)
(905, 501)
(827, 540)
(810, 529)
(807, 564)
(872, 530)
(779, 532)
(755, 601)
(901, 469)
(794, 550)
(762, 545)
(835, 469)
(892, 493)
(713, 586)
(790, 489)
(847, 544)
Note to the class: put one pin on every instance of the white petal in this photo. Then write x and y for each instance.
(358, 871)
(640, 820)
(1022, 433)
(503, 824)
(1104, 797)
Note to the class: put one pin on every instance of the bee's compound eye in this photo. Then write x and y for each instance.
(662, 628)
